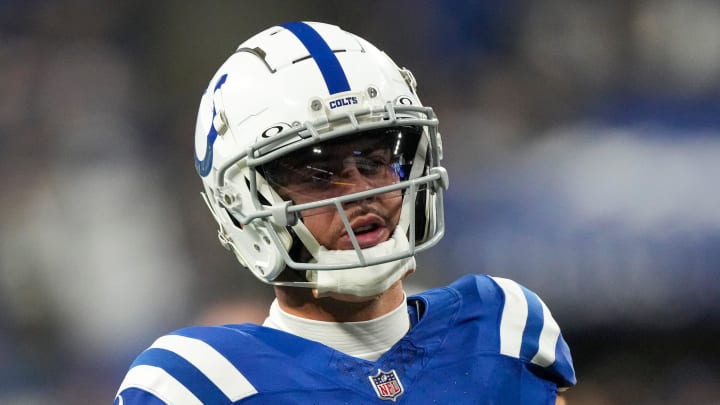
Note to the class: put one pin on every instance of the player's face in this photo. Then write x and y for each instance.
(336, 169)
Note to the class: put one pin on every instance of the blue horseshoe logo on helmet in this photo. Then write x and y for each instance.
(203, 166)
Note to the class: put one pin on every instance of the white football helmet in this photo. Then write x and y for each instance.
(304, 85)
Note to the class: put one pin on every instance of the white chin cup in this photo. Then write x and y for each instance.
(362, 281)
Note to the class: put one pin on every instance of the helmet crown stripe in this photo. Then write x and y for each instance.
(324, 57)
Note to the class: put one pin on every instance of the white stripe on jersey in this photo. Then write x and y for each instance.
(548, 339)
(513, 319)
(158, 382)
(211, 363)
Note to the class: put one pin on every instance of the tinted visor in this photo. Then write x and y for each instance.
(349, 164)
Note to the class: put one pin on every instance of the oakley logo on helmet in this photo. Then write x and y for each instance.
(404, 100)
(275, 129)
(342, 102)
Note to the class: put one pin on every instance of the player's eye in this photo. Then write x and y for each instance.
(369, 167)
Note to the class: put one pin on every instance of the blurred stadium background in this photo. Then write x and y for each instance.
(582, 139)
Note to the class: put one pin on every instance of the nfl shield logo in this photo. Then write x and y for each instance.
(387, 385)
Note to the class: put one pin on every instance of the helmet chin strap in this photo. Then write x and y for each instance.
(363, 282)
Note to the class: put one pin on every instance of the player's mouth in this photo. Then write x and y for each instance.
(368, 230)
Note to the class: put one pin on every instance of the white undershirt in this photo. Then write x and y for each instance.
(366, 340)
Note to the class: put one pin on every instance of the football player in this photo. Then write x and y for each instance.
(323, 171)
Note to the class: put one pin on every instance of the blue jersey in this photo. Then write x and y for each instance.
(480, 340)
